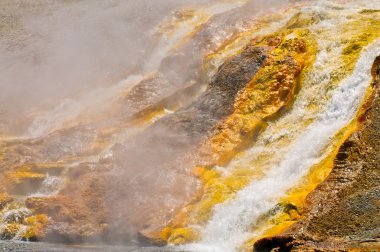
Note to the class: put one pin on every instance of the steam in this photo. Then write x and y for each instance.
(53, 51)
(65, 66)
(70, 78)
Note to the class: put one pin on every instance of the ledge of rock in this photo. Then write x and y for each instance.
(343, 213)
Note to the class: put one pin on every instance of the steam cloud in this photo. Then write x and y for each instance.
(55, 51)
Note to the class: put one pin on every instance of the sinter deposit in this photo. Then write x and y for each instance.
(200, 125)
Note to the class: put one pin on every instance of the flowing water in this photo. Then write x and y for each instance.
(229, 227)
(91, 126)
(291, 145)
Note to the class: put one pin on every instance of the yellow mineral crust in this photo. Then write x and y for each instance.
(295, 199)
(271, 89)
(19, 176)
(358, 33)
(258, 102)
(36, 226)
(24, 226)
(21, 179)
(294, 203)
(266, 24)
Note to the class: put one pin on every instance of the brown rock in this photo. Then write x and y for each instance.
(105, 199)
(343, 212)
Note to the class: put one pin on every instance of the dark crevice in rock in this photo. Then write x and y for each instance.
(279, 244)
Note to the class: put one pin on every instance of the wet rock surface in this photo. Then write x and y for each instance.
(343, 213)
(270, 91)
(150, 166)
(82, 210)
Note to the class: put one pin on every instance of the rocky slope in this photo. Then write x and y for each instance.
(214, 142)
(343, 213)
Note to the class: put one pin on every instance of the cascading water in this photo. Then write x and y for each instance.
(295, 142)
(229, 226)
(91, 117)
(115, 161)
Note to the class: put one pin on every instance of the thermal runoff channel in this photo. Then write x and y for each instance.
(199, 125)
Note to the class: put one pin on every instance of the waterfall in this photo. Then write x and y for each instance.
(180, 149)
(228, 228)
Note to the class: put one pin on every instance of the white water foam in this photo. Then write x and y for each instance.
(49, 187)
(229, 227)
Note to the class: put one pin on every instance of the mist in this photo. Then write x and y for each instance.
(116, 94)
(51, 50)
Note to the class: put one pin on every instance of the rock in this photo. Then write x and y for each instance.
(271, 90)
(74, 216)
(23, 181)
(258, 100)
(116, 184)
(4, 200)
(343, 213)
(36, 227)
